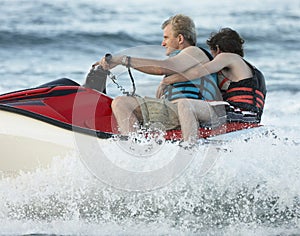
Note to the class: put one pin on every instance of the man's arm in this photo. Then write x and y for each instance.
(187, 58)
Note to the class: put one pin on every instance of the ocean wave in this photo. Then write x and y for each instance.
(253, 182)
(28, 39)
(284, 88)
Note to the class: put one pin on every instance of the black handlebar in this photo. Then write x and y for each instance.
(108, 57)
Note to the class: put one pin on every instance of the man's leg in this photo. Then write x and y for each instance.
(191, 112)
(127, 112)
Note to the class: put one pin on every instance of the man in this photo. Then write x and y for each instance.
(179, 39)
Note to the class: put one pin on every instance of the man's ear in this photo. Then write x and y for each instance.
(180, 38)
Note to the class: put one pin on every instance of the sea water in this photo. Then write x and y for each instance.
(252, 187)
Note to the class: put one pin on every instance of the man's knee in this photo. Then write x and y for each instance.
(121, 102)
(125, 104)
(117, 102)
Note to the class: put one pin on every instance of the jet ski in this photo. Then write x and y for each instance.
(40, 123)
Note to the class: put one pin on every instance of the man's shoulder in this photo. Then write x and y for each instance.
(191, 48)
(197, 53)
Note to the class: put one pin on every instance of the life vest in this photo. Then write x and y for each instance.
(204, 88)
(248, 94)
(223, 82)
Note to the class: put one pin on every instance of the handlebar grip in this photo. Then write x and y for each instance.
(108, 57)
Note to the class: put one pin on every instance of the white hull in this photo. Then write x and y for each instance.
(28, 144)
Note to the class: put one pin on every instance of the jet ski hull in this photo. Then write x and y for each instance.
(38, 124)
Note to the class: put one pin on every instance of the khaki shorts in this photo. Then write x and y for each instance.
(159, 112)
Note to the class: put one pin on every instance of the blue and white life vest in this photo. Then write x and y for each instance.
(204, 88)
